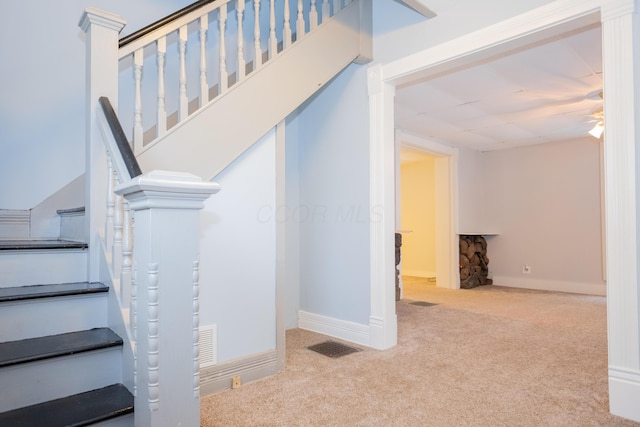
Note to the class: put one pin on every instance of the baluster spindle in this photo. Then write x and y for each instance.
(162, 109)
(286, 32)
(256, 35)
(108, 230)
(326, 10)
(273, 41)
(224, 78)
(127, 252)
(336, 6)
(183, 110)
(241, 61)
(300, 21)
(204, 86)
(116, 257)
(313, 16)
(138, 131)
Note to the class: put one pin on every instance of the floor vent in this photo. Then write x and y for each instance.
(422, 303)
(333, 349)
(208, 345)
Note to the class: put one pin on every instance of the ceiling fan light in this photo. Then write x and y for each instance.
(597, 130)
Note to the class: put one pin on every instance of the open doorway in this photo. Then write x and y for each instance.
(429, 232)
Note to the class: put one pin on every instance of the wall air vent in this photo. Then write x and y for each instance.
(208, 345)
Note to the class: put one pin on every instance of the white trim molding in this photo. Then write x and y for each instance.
(621, 63)
(251, 368)
(624, 389)
(551, 285)
(15, 224)
(345, 330)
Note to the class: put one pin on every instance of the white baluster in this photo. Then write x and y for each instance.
(116, 248)
(336, 6)
(300, 21)
(162, 109)
(134, 300)
(313, 16)
(224, 77)
(204, 86)
(241, 61)
(286, 31)
(183, 111)
(326, 10)
(256, 36)
(127, 251)
(108, 227)
(273, 41)
(138, 131)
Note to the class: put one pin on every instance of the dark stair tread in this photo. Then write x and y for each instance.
(13, 245)
(70, 211)
(19, 293)
(78, 410)
(33, 349)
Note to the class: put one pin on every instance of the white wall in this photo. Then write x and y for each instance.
(334, 200)
(399, 31)
(237, 255)
(546, 202)
(418, 212)
(42, 105)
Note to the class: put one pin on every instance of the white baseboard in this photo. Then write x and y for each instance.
(418, 273)
(551, 285)
(345, 330)
(15, 224)
(255, 367)
(624, 393)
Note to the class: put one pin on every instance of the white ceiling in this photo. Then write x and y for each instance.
(543, 94)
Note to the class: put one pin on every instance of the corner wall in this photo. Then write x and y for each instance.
(546, 204)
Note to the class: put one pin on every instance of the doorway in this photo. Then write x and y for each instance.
(442, 263)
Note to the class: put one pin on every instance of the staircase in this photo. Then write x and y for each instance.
(60, 365)
(75, 350)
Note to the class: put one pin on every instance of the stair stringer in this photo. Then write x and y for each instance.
(212, 138)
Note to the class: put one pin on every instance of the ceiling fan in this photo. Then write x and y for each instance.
(598, 116)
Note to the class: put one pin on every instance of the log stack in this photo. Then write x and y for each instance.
(474, 270)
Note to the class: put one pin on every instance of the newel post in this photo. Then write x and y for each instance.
(101, 29)
(166, 276)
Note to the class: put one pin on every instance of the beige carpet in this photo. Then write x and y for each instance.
(489, 356)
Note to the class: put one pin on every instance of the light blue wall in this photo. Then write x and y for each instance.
(42, 85)
(237, 255)
(334, 200)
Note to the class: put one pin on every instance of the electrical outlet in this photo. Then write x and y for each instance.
(526, 269)
(235, 382)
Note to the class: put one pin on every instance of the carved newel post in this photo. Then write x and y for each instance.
(166, 270)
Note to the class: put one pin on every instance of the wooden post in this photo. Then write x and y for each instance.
(101, 29)
(166, 270)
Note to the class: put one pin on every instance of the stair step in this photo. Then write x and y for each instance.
(20, 293)
(22, 245)
(41, 348)
(77, 410)
(41, 310)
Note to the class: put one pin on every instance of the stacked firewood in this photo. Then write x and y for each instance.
(473, 262)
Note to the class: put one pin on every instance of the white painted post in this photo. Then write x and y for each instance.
(184, 101)
(101, 29)
(166, 239)
(138, 132)
(313, 16)
(224, 76)
(286, 31)
(204, 86)
(300, 24)
(241, 61)
(161, 125)
(273, 41)
(257, 62)
(621, 78)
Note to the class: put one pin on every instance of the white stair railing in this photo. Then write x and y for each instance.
(178, 68)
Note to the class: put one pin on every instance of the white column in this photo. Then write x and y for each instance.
(383, 321)
(166, 239)
(621, 71)
(101, 40)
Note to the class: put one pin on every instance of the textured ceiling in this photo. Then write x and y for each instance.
(543, 94)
